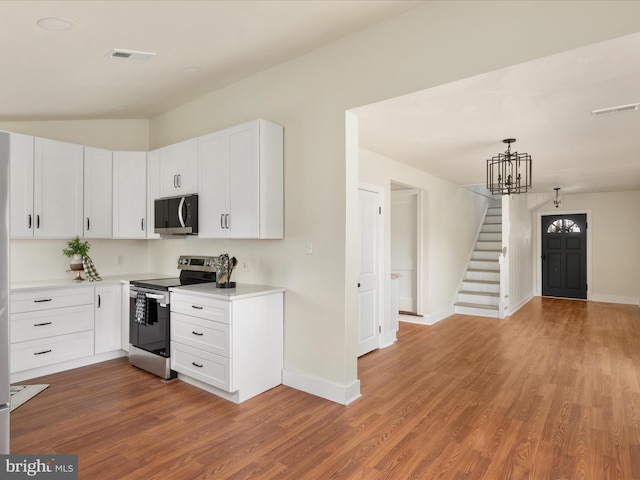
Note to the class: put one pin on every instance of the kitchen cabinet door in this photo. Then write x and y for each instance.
(153, 189)
(98, 186)
(179, 168)
(242, 182)
(108, 318)
(21, 172)
(129, 194)
(58, 189)
(212, 199)
(243, 173)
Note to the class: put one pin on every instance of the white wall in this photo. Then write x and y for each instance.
(520, 251)
(128, 134)
(451, 218)
(615, 236)
(430, 45)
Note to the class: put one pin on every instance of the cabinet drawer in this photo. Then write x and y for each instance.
(200, 306)
(207, 335)
(47, 323)
(32, 301)
(207, 367)
(46, 351)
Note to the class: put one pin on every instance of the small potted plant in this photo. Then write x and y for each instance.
(76, 250)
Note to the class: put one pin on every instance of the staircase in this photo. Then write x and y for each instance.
(479, 293)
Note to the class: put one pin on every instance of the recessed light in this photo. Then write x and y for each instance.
(55, 23)
(115, 108)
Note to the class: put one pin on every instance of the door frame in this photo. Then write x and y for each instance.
(538, 230)
(384, 287)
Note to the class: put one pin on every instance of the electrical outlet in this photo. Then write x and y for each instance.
(118, 259)
(245, 266)
(309, 247)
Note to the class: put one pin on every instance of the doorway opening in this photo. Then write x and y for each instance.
(406, 247)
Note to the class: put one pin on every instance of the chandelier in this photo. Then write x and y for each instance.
(509, 172)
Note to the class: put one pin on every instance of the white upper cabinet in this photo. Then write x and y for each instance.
(21, 181)
(153, 190)
(241, 192)
(179, 168)
(98, 202)
(58, 189)
(129, 194)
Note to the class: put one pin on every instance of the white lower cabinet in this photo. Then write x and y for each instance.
(61, 328)
(108, 318)
(232, 347)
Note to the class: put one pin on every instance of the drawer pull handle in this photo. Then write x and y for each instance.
(197, 307)
(43, 300)
(198, 333)
(41, 324)
(43, 352)
(199, 365)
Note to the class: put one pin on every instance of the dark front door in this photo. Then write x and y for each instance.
(564, 256)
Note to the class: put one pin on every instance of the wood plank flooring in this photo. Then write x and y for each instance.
(552, 392)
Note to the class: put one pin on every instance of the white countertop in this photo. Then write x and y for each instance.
(239, 292)
(70, 283)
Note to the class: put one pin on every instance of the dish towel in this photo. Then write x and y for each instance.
(90, 269)
(141, 308)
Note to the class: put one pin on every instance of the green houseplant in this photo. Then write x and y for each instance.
(76, 250)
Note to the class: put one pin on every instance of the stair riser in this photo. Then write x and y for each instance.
(481, 287)
(480, 299)
(491, 228)
(488, 245)
(493, 220)
(484, 265)
(478, 312)
(491, 276)
(491, 237)
(485, 255)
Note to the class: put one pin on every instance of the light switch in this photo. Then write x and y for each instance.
(309, 247)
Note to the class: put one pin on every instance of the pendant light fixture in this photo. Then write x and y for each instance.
(509, 172)
(557, 201)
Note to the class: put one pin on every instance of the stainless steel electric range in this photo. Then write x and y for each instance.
(150, 318)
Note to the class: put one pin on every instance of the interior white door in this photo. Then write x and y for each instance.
(370, 273)
(404, 237)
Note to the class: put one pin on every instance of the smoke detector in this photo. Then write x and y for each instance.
(619, 109)
(130, 54)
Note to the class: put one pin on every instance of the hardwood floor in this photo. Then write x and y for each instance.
(551, 393)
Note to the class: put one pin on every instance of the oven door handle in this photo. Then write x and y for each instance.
(153, 296)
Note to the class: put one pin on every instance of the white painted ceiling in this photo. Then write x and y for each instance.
(451, 130)
(66, 75)
(448, 131)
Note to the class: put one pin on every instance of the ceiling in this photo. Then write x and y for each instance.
(200, 46)
(451, 130)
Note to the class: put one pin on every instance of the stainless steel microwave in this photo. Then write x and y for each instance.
(176, 215)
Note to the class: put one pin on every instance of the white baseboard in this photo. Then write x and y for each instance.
(342, 394)
(519, 306)
(435, 318)
(420, 320)
(615, 299)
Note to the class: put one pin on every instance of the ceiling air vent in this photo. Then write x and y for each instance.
(611, 110)
(131, 54)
